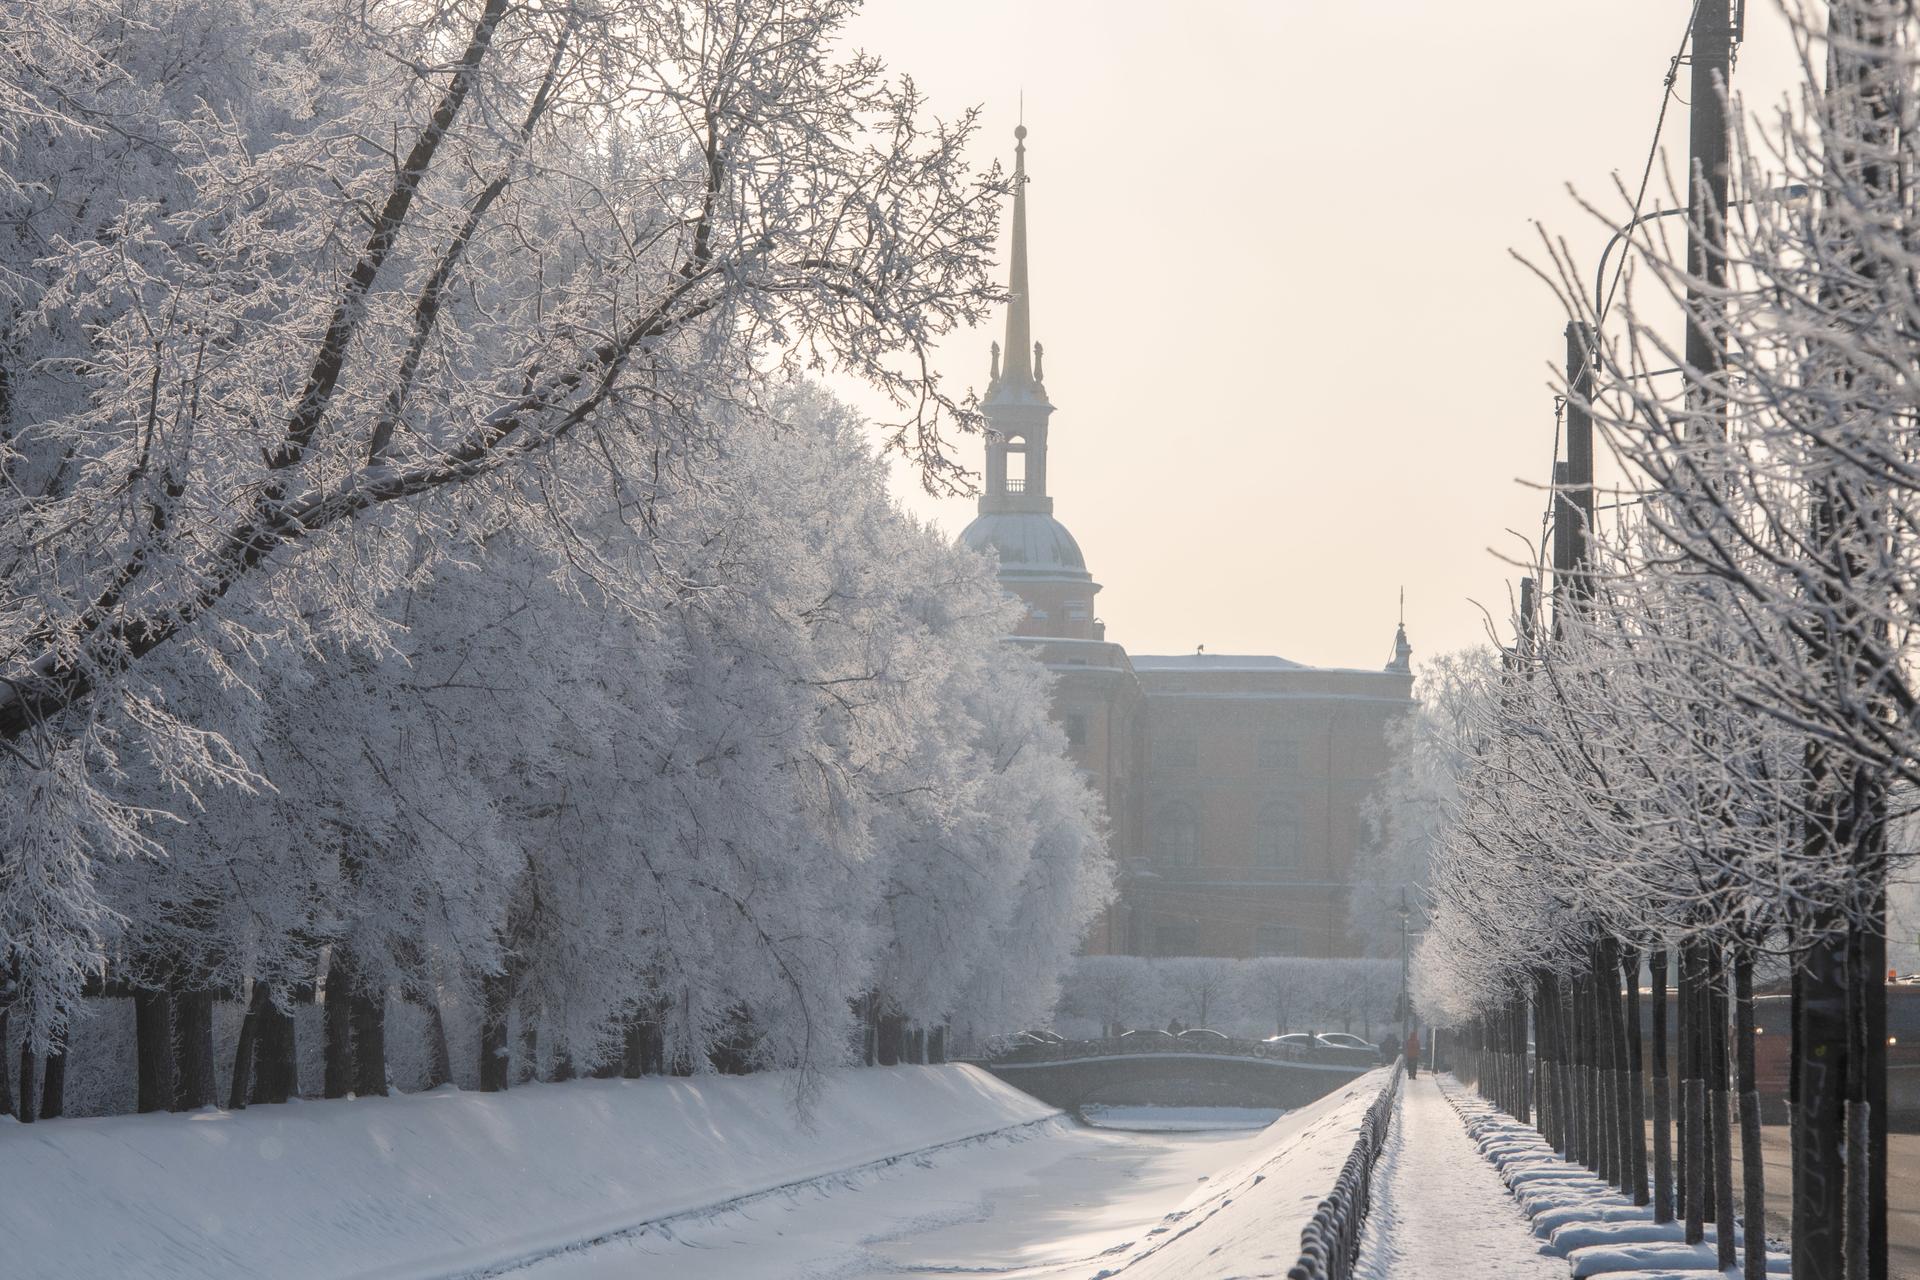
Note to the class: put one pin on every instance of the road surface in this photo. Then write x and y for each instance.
(1903, 1191)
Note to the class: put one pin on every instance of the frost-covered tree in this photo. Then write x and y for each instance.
(303, 303)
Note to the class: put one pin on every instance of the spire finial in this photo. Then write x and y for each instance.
(1019, 345)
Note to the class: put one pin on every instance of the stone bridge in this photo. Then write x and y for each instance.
(1180, 1073)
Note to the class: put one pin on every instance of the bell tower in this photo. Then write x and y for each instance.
(1016, 406)
(1039, 560)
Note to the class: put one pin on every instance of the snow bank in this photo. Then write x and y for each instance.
(449, 1182)
(1246, 1220)
(1583, 1219)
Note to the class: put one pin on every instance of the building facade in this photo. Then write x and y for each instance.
(1232, 783)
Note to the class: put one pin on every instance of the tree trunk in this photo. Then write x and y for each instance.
(1694, 1083)
(1636, 1078)
(1603, 995)
(193, 1078)
(1858, 1117)
(153, 1035)
(1753, 1177)
(276, 1052)
(369, 1017)
(242, 1079)
(496, 993)
(1626, 1136)
(439, 1055)
(1722, 1112)
(937, 1044)
(530, 1045)
(891, 1028)
(339, 1023)
(1682, 1066)
(1873, 1026)
(28, 1082)
(53, 1094)
(1662, 1093)
(6, 1067)
(633, 1047)
(1592, 1143)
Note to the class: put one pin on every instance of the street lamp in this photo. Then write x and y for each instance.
(1777, 195)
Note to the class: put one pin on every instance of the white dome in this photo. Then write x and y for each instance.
(1031, 545)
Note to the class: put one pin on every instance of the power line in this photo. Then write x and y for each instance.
(1606, 304)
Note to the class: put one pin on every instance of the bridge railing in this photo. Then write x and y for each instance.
(1330, 1244)
(1226, 1048)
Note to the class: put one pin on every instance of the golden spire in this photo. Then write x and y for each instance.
(1018, 355)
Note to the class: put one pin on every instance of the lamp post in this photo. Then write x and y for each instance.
(1778, 195)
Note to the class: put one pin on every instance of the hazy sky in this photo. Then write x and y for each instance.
(1294, 362)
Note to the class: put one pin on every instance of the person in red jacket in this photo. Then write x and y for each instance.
(1412, 1050)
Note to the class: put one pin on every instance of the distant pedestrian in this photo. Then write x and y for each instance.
(1412, 1050)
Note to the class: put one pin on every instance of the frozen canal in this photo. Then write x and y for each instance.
(1049, 1204)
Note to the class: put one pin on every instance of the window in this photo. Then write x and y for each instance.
(1176, 836)
(1076, 726)
(1176, 751)
(1276, 836)
(1176, 939)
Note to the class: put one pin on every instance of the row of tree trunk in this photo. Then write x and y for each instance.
(174, 1047)
(1587, 1091)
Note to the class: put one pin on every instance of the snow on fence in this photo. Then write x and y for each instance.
(1331, 1241)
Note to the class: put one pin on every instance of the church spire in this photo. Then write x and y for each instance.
(1016, 405)
(1018, 368)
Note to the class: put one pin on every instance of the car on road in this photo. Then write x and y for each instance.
(1146, 1033)
(1345, 1040)
(1298, 1044)
(1203, 1033)
(1341, 1046)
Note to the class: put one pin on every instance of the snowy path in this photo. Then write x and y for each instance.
(1439, 1209)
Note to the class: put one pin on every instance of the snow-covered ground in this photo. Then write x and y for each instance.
(902, 1171)
(1056, 1203)
(439, 1183)
(1439, 1210)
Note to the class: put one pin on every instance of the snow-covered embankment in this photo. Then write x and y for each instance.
(1247, 1220)
(448, 1182)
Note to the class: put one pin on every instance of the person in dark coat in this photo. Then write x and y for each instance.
(1412, 1050)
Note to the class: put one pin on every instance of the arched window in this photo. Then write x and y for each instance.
(1176, 836)
(1016, 464)
(1276, 835)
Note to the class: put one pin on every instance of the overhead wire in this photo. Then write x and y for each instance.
(1605, 303)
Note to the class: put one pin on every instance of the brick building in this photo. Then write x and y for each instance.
(1232, 783)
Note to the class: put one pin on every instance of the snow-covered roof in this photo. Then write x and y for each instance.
(1214, 662)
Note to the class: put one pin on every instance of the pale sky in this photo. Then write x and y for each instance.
(1294, 363)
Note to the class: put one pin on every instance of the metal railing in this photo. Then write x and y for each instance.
(1330, 1244)
(1154, 1043)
